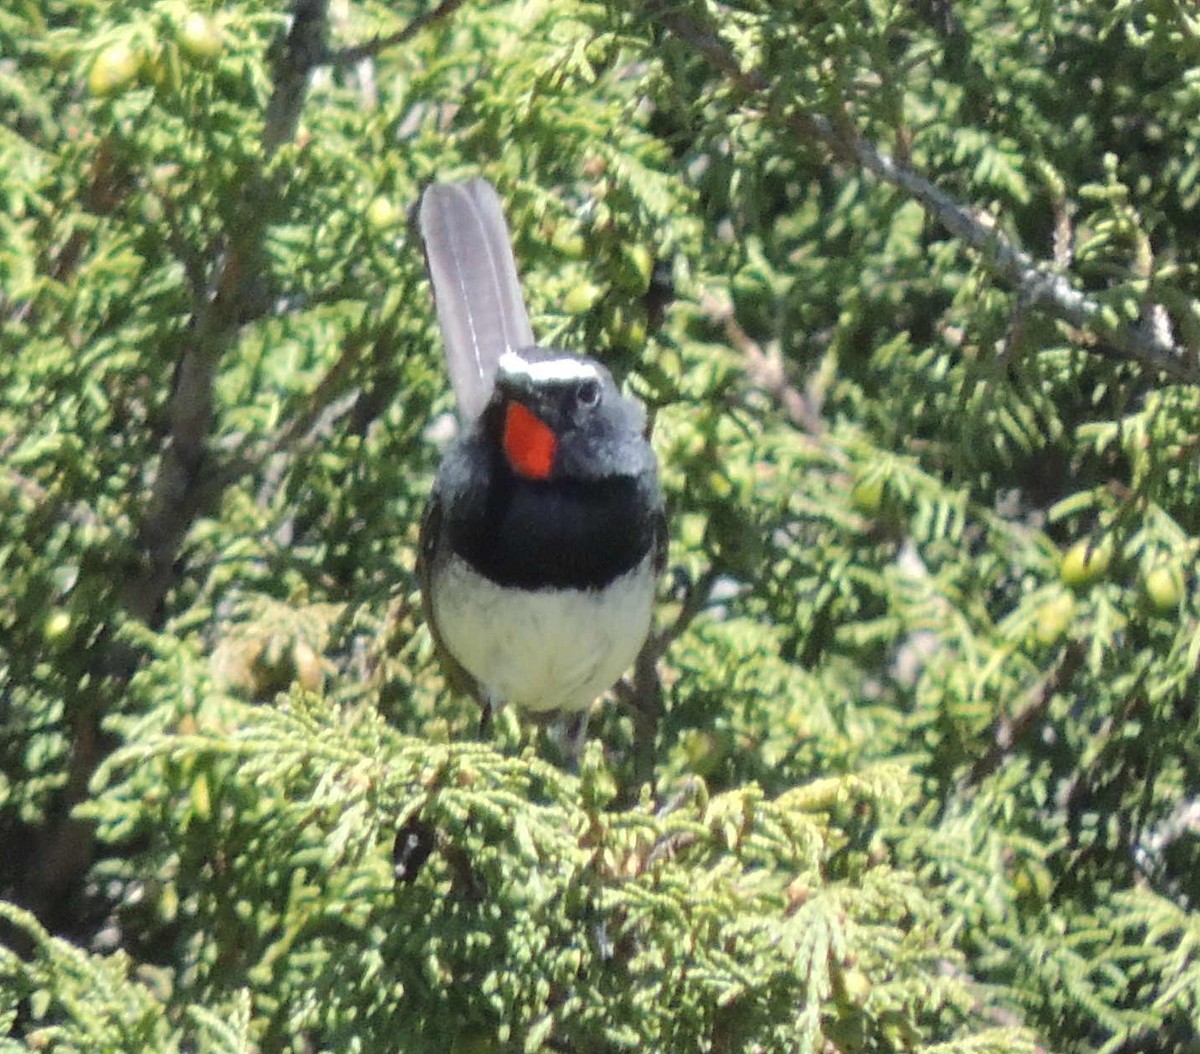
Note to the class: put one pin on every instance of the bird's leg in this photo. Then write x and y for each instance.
(491, 707)
(568, 733)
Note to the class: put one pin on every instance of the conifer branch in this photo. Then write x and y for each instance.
(186, 481)
(1039, 284)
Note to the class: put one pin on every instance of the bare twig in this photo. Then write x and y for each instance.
(1039, 284)
(697, 597)
(1009, 729)
(294, 440)
(641, 693)
(188, 257)
(76, 512)
(331, 401)
(352, 55)
(766, 370)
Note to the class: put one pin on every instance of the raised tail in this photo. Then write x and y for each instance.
(476, 289)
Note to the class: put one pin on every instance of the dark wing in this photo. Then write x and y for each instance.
(431, 529)
(476, 289)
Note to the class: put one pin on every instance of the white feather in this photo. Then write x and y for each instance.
(543, 649)
(566, 368)
(476, 288)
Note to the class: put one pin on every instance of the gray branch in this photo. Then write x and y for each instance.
(294, 59)
(353, 55)
(1039, 284)
(186, 481)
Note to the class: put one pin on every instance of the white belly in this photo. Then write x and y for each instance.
(543, 650)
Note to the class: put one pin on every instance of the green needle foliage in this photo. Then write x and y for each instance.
(909, 290)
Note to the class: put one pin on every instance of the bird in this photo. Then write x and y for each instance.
(545, 531)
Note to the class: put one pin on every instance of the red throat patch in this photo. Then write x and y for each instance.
(529, 443)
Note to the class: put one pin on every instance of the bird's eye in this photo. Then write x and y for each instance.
(588, 393)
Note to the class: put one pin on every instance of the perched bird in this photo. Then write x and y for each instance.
(545, 531)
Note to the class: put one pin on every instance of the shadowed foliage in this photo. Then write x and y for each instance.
(908, 292)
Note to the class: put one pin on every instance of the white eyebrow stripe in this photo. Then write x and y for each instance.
(567, 368)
